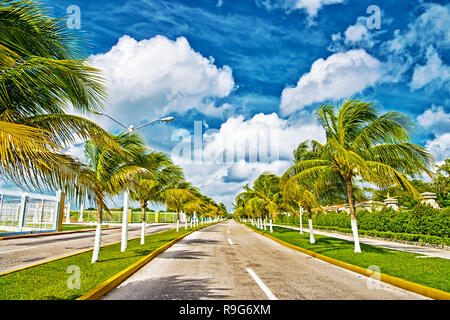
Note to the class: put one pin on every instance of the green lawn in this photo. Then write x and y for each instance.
(49, 281)
(73, 227)
(431, 272)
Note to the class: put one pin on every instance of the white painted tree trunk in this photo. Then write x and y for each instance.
(178, 224)
(301, 219)
(68, 213)
(80, 218)
(123, 246)
(271, 230)
(311, 232)
(143, 233)
(185, 224)
(97, 241)
(355, 235)
(265, 224)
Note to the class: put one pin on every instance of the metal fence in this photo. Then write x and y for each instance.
(115, 216)
(22, 211)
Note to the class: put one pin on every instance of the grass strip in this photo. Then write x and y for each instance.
(427, 271)
(73, 227)
(50, 281)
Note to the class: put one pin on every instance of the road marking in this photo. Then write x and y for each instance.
(17, 250)
(261, 284)
(230, 242)
(228, 231)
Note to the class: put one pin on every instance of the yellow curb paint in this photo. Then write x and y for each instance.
(72, 254)
(108, 285)
(401, 283)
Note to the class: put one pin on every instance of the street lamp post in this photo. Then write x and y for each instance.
(131, 129)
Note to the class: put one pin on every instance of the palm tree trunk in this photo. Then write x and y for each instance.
(143, 225)
(312, 240)
(98, 233)
(351, 203)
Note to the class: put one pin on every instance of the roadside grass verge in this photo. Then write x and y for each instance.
(386, 235)
(73, 227)
(49, 281)
(428, 271)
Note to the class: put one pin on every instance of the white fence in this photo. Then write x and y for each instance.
(23, 211)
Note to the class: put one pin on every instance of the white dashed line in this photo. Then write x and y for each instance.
(230, 242)
(261, 284)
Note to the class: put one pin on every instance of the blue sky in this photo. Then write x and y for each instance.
(238, 66)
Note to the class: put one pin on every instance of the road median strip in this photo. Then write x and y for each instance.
(398, 282)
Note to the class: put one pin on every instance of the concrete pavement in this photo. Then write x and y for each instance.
(229, 261)
(19, 253)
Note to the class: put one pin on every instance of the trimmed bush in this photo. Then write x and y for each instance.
(420, 224)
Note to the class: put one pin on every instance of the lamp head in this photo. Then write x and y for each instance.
(168, 119)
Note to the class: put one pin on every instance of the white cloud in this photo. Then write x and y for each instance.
(437, 121)
(412, 44)
(430, 28)
(440, 147)
(433, 72)
(339, 76)
(356, 33)
(311, 7)
(151, 78)
(225, 179)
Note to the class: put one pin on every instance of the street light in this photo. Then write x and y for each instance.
(130, 129)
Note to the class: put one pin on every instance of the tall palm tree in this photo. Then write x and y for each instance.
(149, 187)
(178, 194)
(43, 75)
(108, 173)
(362, 144)
(303, 197)
(264, 199)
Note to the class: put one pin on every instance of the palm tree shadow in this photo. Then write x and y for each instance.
(182, 255)
(169, 288)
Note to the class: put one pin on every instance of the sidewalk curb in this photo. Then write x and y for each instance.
(47, 234)
(401, 283)
(111, 283)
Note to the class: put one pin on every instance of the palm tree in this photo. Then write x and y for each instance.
(362, 144)
(178, 194)
(149, 187)
(108, 173)
(303, 198)
(42, 74)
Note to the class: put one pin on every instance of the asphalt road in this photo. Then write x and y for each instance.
(229, 261)
(18, 253)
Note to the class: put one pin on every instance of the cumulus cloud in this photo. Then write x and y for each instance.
(430, 28)
(157, 76)
(437, 121)
(433, 72)
(411, 45)
(440, 147)
(311, 7)
(339, 76)
(242, 149)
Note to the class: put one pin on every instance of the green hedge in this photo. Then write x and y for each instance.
(421, 224)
